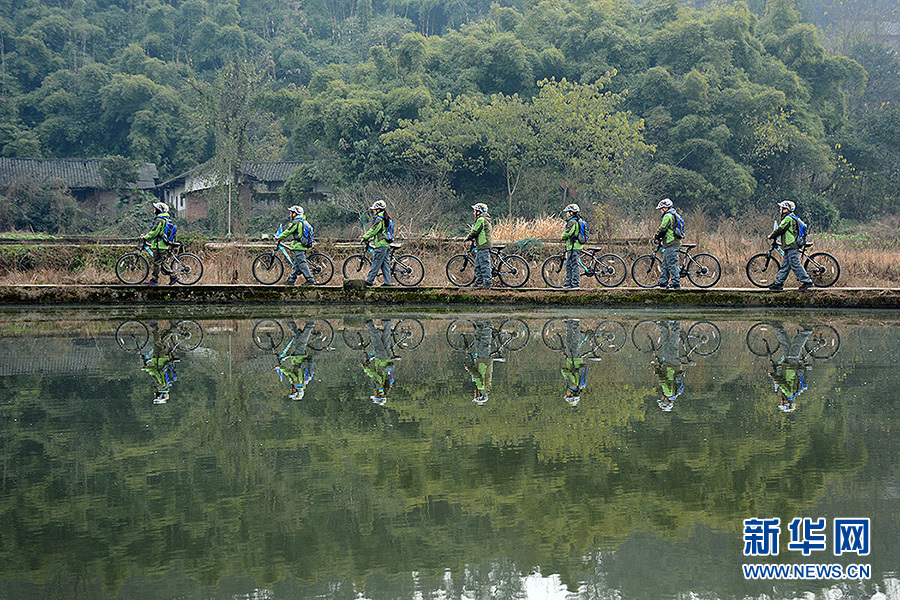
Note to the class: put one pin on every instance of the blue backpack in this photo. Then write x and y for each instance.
(678, 232)
(802, 230)
(307, 237)
(389, 231)
(169, 232)
(582, 231)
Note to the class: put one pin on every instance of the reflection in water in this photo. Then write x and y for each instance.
(232, 491)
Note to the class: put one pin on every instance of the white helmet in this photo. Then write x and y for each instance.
(481, 399)
(787, 407)
(573, 400)
(378, 205)
(788, 205)
(298, 392)
(480, 208)
(296, 209)
(379, 400)
(160, 397)
(665, 203)
(572, 208)
(160, 207)
(665, 404)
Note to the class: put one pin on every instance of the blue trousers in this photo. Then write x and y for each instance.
(791, 263)
(671, 274)
(573, 273)
(483, 276)
(300, 266)
(381, 263)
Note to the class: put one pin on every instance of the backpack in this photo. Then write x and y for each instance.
(678, 231)
(169, 232)
(306, 238)
(582, 231)
(389, 231)
(802, 230)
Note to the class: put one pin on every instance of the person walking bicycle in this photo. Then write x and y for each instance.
(572, 236)
(159, 243)
(792, 232)
(669, 234)
(481, 235)
(302, 233)
(382, 234)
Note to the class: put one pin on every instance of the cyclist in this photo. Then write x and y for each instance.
(570, 237)
(666, 235)
(160, 364)
(788, 372)
(668, 366)
(381, 223)
(298, 366)
(481, 235)
(299, 243)
(788, 229)
(158, 243)
(379, 364)
(575, 370)
(482, 368)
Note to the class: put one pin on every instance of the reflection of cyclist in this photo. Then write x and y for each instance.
(160, 364)
(788, 373)
(668, 366)
(157, 240)
(379, 364)
(482, 367)
(298, 365)
(481, 235)
(575, 370)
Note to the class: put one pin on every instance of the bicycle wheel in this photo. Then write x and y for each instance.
(356, 267)
(461, 270)
(268, 334)
(761, 340)
(321, 336)
(132, 336)
(704, 338)
(647, 336)
(823, 269)
(408, 333)
(268, 268)
(321, 267)
(703, 270)
(610, 336)
(408, 270)
(554, 272)
(461, 334)
(356, 339)
(610, 270)
(823, 342)
(517, 332)
(513, 270)
(646, 270)
(191, 334)
(132, 268)
(761, 269)
(187, 267)
(553, 334)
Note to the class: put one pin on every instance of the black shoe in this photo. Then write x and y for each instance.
(776, 287)
(673, 287)
(173, 279)
(152, 282)
(660, 285)
(806, 285)
(289, 282)
(369, 284)
(308, 283)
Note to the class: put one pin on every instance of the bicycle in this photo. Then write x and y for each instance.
(133, 268)
(133, 336)
(703, 338)
(268, 267)
(823, 342)
(702, 269)
(406, 269)
(268, 334)
(822, 267)
(608, 269)
(512, 335)
(512, 270)
(607, 337)
(406, 334)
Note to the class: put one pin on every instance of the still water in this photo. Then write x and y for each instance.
(307, 454)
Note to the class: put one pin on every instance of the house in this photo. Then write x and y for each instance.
(257, 188)
(80, 176)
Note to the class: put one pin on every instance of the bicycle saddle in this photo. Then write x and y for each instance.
(688, 246)
(593, 248)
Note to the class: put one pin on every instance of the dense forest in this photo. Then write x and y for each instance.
(525, 105)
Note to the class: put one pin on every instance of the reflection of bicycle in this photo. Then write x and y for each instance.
(406, 269)
(822, 267)
(608, 269)
(822, 343)
(133, 336)
(511, 269)
(268, 267)
(406, 334)
(702, 269)
(512, 335)
(133, 268)
(607, 337)
(268, 334)
(702, 338)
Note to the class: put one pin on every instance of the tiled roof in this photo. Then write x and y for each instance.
(269, 171)
(77, 173)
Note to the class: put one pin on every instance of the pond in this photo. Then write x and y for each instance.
(302, 453)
